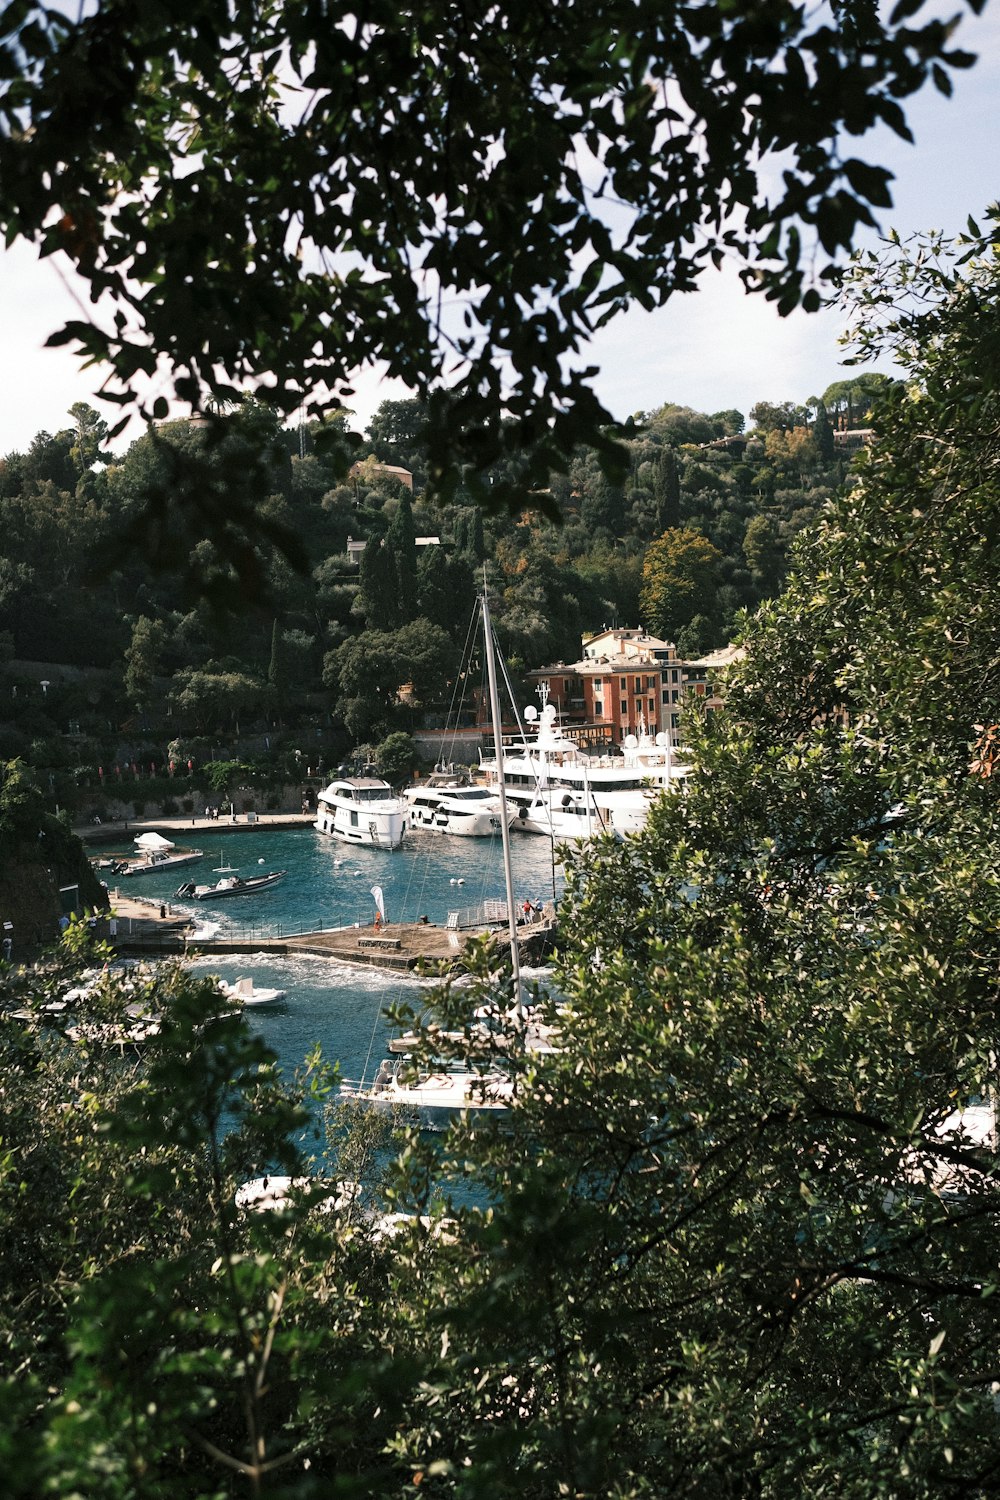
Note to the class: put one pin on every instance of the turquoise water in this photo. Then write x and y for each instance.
(329, 885)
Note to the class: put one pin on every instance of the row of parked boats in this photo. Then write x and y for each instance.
(550, 787)
(544, 784)
(154, 854)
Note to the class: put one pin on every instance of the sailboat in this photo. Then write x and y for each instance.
(436, 1094)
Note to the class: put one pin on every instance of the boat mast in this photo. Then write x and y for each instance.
(491, 675)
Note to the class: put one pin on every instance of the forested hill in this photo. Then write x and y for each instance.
(222, 567)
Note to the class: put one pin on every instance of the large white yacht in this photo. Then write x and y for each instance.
(448, 802)
(558, 789)
(362, 810)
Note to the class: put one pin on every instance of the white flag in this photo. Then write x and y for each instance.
(379, 900)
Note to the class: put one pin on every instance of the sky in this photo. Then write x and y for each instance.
(713, 350)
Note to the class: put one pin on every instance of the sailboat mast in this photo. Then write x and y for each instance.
(491, 677)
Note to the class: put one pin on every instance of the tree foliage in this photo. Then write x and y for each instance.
(676, 578)
(738, 1237)
(742, 1240)
(283, 193)
(143, 659)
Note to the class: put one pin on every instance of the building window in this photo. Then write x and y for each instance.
(624, 708)
(674, 720)
(666, 695)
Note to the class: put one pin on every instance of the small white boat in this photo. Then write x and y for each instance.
(230, 885)
(245, 992)
(276, 1194)
(204, 932)
(433, 1097)
(155, 853)
(361, 810)
(446, 803)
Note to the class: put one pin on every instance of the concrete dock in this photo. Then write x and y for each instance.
(142, 931)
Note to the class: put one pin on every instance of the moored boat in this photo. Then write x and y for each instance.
(559, 790)
(433, 1096)
(361, 810)
(230, 885)
(154, 854)
(278, 1194)
(449, 803)
(244, 992)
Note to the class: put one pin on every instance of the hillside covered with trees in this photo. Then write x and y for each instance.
(738, 1236)
(191, 631)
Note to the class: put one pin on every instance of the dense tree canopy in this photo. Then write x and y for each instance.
(677, 577)
(285, 192)
(74, 590)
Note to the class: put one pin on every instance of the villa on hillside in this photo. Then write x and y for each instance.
(627, 681)
(356, 547)
(378, 470)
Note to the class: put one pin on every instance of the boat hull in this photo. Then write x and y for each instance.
(567, 802)
(458, 822)
(436, 1100)
(227, 888)
(361, 810)
(157, 866)
(243, 992)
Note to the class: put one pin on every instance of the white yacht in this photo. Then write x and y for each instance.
(559, 790)
(362, 810)
(449, 803)
(434, 1097)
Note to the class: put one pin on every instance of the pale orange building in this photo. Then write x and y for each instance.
(627, 681)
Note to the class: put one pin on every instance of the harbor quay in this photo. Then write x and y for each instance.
(146, 927)
(189, 825)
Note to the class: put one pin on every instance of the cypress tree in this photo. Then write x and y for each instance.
(402, 544)
(666, 491)
(378, 586)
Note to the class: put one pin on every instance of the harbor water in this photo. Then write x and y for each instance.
(329, 884)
